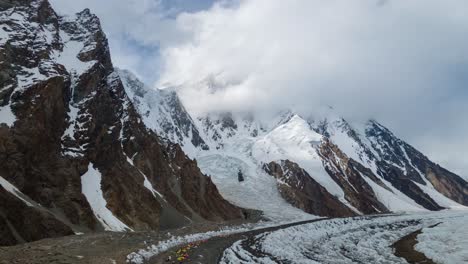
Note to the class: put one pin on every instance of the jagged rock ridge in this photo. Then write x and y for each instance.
(72, 143)
(298, 188)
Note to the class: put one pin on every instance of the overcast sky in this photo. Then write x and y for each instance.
(402, 62)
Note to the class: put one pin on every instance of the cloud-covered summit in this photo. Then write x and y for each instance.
(402, 62)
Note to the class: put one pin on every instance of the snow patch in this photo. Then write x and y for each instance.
(447, 242)
(394, 200)
(13, 190)
(7, 116)
(27, 77)
(149, 186)
(91, 188)
(72, 115)
(69, 56)
(439, 198)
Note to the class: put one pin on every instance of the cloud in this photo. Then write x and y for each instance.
(401, 62)
(315, 52)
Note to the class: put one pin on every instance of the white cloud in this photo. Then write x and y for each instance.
(402, 62)
(321, 51)
(136, 30)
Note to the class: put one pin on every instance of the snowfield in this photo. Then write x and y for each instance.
(352, 240)
(447, 242)
(258, 191)
(296, 141)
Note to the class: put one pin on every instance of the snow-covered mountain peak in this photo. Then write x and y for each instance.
(132, 82)
(294, 139)
(296, 130)
(365, 166)
(111, 153)
(163, 112)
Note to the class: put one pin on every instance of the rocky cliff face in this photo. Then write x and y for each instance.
(396, 162)
(72, 141)
(298, 188)
(163, 112)
(396, 155)
(350, 176)
(21, 221)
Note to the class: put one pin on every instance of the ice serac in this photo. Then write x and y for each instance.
(64, 107)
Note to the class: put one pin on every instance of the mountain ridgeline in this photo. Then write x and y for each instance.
(85, 147)
(322, 165)
(75, 155)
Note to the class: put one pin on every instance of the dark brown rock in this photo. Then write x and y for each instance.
(396, 154)
(21, 223)
(347, 174)
(298, 188)
(46, 164)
